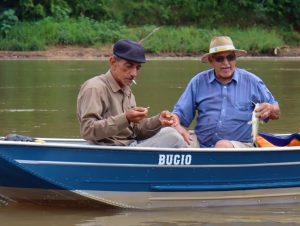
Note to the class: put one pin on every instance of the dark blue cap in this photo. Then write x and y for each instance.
(129, 50)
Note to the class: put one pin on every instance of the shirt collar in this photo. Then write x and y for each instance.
(212, 77)
(115, 87)
(236, 75)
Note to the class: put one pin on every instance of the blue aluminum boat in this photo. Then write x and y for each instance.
(70, 171)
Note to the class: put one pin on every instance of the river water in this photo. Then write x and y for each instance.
(38, 98)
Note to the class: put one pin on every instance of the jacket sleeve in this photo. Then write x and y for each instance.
(147, 128)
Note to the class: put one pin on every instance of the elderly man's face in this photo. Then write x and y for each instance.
(124, 71)
(224, 64)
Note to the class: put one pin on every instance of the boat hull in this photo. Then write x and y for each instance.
(67, 171)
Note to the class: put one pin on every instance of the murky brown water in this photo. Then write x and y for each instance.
(38, 98)
(221, 216)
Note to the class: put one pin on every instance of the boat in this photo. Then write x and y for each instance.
(73, 172)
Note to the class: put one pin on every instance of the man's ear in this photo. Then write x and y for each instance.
(112, 60)
(210, 60)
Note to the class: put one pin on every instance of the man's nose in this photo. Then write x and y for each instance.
(134, 72)
(226, 61)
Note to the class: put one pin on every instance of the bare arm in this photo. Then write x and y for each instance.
(183, 131)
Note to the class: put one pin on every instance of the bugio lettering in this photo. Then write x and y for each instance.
(174, 159)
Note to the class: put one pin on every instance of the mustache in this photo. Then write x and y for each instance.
(225, 66)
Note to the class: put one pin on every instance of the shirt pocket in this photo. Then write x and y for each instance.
(243, 105)
(242, 110)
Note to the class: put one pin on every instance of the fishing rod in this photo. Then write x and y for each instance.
(149, 35)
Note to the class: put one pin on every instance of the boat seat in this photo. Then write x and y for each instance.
(271, 140)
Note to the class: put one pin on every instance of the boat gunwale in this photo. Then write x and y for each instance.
(59, 143)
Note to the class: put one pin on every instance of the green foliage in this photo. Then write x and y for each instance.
(187, 25)
(201, 13)
(172, 39)
(7, 20)
(22, 37)
(95, 9)
(139, 12)
(59, 9)
(291, 37)
(47, 32)
(31, 11)
(88, 32)
(193, 40)
(255, 40)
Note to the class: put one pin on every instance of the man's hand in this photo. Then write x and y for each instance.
(136, 114)
(169, 119)
(184, 133)
(166, 118)
(266, 110)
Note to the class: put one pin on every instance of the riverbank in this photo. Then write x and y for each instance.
(76, 52)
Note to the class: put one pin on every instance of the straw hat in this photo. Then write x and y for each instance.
(222, 44)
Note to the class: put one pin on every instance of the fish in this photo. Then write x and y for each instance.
(255, 121)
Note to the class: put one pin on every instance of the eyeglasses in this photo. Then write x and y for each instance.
(220, 59)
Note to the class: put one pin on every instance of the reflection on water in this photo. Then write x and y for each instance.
(17, 215)
(38, 98)
(204, 216)
(259, 215)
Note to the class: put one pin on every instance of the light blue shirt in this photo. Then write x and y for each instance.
(223, 111)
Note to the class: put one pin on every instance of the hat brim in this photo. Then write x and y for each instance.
(238, 53)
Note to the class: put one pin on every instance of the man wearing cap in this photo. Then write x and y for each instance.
(223, 98)
(107, 110)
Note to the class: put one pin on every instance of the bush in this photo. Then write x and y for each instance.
(255, 40)
(84, 32)
(7, 20)
(291, 37)
(88, 32)
(195, 40)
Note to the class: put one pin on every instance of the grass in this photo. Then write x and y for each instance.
(27, 36)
